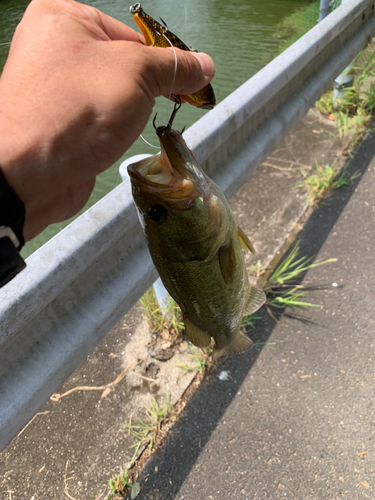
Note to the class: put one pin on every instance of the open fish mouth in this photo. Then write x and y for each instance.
(167, 177)
(173, 174)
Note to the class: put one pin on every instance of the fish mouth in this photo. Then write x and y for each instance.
(167, 174)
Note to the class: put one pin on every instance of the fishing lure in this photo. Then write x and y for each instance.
(158, 35)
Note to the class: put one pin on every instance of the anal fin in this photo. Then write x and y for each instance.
(256, 299)
(240, 344)
(198, 337)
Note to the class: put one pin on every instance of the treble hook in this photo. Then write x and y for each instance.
(176, 107)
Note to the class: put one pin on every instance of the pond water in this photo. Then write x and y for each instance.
(239, 36)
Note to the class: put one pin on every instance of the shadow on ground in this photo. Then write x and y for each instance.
(167, 469)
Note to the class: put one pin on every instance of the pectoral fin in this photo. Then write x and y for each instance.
(245, 242)
(227, 261)
(240, 344)
(198, 337)
(255, 300)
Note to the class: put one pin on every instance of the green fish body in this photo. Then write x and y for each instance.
(195, 245)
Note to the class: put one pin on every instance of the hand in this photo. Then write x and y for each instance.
(76, 91)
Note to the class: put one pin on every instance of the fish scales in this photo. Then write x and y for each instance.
(195, 244)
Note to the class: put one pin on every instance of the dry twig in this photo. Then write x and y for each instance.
(57, 397)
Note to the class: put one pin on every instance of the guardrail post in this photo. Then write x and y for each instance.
(342, 82)
(325, 9)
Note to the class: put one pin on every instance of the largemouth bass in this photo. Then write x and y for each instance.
(195, 244)
(158, 35)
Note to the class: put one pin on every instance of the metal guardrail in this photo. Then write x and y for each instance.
(78, 285)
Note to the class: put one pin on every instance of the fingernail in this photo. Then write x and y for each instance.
(207, 64)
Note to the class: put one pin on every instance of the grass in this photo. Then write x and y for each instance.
(356, 107)
(119, 484)
(248, 321)
(201, 357)
(352, 120)
(283, 288)
(297, 24)
(166, 320)
(322, 182)
(145, 432)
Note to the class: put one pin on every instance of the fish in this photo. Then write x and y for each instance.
(158, 35)
(195, 244)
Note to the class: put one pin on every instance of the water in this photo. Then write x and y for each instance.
(238, 35)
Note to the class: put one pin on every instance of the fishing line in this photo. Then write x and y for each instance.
(148, 143)
(175, 65)
(6, 43)
(173, 82)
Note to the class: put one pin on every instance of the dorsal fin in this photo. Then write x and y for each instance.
(245, 242)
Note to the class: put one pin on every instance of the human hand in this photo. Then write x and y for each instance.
(76, 91)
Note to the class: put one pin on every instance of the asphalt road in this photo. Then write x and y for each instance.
(296, 418)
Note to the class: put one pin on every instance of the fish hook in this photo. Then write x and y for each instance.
(153, 121)
(177, 106)
(168, 128)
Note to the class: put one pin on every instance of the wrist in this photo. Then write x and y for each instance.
(12, 218)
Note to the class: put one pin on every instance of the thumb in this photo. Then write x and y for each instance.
(177, 71)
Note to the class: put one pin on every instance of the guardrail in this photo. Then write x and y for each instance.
(78, 285)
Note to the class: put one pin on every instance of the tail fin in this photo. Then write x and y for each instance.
(240, 344)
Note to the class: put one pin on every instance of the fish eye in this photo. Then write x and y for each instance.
(157, 213)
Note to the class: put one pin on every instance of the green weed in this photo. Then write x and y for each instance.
(146, 432)
(325, 179)
(325, 104)
(297, 24)
(282, 287)
(162, 319)
(248, 321)
(352, 128)
(258, 269)
(119, 484)
(355, 109)
(201, 357)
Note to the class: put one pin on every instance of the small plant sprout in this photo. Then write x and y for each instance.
(282, 289)
(119, 484)
(146, 432)
(257, 269)
(201, 357)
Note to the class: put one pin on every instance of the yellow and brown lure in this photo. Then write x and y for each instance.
(158, 35)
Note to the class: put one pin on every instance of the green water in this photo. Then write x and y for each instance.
(238, 35)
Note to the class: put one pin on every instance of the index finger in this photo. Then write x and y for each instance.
(116, 30)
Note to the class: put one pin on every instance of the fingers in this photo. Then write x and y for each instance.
(117, 30)
(89, 18)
